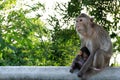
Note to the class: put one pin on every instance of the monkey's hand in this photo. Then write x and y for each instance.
(80, 74)
(71, 70)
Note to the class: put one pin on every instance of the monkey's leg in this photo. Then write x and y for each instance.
(73, 66)
(99, 59)
(107, 60)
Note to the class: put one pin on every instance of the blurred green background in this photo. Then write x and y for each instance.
(27, 40)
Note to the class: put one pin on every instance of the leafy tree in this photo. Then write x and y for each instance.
(21, 38)
(64, 44)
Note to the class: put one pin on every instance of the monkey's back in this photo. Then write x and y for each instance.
(103, 39)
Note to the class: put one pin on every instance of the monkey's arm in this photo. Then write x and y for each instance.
(87, 64)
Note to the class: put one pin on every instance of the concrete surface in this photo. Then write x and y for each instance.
(51, 73)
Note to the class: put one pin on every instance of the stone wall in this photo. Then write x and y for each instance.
(51, 73)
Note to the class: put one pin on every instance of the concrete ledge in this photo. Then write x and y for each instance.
(51, 73)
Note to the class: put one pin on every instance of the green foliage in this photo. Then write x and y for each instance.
(27, 41)
(74, 8)
(6, 4)
(64, 45)
(21, 39)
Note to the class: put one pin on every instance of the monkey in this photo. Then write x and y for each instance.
(97, 40)
(80, 59)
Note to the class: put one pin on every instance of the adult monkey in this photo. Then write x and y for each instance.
(98, 42)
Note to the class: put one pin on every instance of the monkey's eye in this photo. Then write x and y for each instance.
(80, 20)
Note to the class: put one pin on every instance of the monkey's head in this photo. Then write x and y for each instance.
(84, 24)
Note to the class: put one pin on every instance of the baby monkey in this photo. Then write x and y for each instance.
(80, 59)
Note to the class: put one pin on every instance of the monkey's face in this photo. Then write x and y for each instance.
(83, 25)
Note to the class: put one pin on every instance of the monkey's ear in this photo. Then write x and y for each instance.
(91, 19)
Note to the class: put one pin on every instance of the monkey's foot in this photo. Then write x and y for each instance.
(80, 74)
